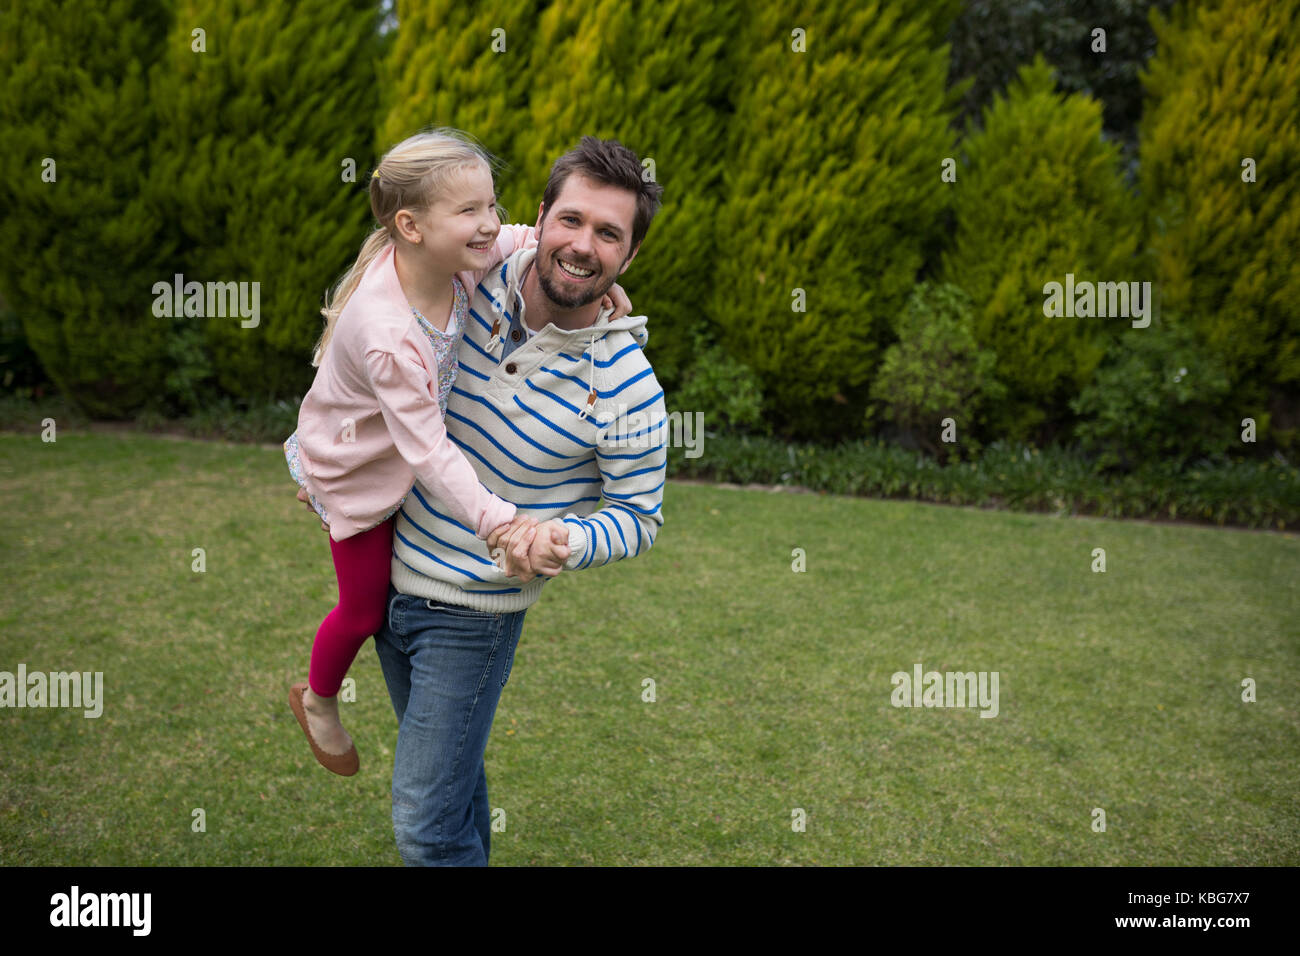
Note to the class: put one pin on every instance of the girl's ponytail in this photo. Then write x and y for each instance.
(409, 176)
(334, 303)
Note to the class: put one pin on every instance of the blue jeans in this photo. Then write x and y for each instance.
(445, 667)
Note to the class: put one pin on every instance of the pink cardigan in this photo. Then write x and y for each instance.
(379, 374)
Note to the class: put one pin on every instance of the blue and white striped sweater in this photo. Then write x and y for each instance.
(522, 422)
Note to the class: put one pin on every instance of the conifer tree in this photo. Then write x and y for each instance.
(652, 75)
(1220, 157)
(459, 65)
(266, 116)
(79, 238)
(1039, 195)
(832, 192)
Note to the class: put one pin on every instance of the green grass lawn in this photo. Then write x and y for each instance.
(1119, 690)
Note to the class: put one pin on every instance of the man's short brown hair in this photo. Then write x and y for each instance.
(609, 162)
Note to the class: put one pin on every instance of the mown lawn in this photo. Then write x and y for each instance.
(1118, 690)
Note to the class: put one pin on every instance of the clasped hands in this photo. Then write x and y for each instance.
(524, 548)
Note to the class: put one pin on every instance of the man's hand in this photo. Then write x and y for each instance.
(550, 548)
(618, 299)
(509, 546)
(302, 496)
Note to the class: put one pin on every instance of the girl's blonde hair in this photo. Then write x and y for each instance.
(411, 176)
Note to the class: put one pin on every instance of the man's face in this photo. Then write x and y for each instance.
(587, 230)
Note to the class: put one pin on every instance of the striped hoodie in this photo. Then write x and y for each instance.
(565, 424)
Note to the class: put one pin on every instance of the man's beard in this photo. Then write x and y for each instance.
(569, 300)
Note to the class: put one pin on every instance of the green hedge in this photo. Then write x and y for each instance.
(1254, 494)
(1014, 477)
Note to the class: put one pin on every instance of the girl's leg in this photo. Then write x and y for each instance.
(362, 566)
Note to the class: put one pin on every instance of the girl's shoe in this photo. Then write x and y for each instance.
(344, 764)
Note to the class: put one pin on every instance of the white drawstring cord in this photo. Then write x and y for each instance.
(591, 381)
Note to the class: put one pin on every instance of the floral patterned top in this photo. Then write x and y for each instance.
(445, 345)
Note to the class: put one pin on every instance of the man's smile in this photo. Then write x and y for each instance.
(573, 271)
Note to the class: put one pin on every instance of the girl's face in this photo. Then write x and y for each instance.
(460, 227)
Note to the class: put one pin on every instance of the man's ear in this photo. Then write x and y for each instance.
(630, 258)
(541, 214)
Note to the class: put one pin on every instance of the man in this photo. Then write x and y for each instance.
(556, 407)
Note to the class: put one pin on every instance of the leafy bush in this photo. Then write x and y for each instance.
(20, 370)
(993, 38)
(936, 370)
(1160, 395)
(289, 95)
(79, 240)
(726, 391)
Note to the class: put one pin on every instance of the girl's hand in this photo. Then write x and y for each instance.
(302, 496)
(617, 299)
(521, 520)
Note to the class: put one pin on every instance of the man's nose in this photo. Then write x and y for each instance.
(582, 244)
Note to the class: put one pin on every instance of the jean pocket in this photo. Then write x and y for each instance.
(510, 662)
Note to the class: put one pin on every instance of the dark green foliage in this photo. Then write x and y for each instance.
(79, 253)
(936, 370)
(250, 161)
(992, 39)
(728, 393)
(20, 370)
(1159, 396)
(1254, 494)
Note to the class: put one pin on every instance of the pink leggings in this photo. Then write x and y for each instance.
(362, 564)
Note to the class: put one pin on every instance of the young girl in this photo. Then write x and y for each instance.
(373, 419)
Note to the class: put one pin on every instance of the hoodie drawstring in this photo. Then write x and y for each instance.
(498, 340)
(591, 381)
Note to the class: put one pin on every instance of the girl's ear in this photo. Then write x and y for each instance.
(407, 227)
